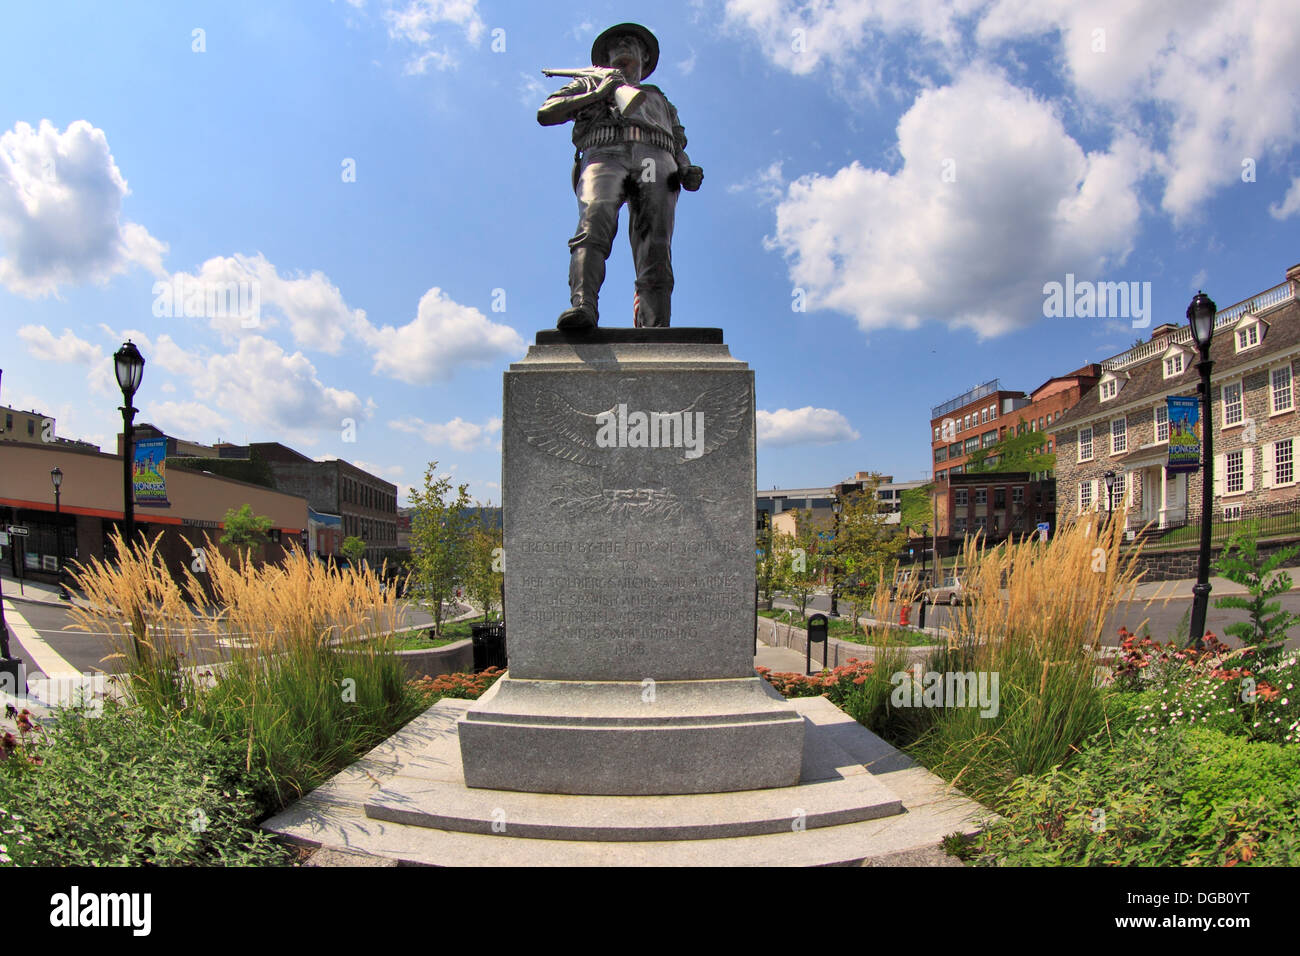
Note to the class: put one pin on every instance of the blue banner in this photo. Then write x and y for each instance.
(1184, 434)
(149, 472)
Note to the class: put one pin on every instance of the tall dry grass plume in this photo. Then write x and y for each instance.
(294, 659)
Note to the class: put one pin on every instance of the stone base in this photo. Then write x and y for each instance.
(858, 801)
(629, 738)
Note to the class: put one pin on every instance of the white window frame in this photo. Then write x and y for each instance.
(1086, 505)
(1178, 371)
(1108, 389)
(1228, 458)
(1091, 449)
(1270, 463)
(1248, 331)
(1273, 390)
(1161, 408)
(981, 497)
(1122, 447)
(961, 497)
(1240, 404)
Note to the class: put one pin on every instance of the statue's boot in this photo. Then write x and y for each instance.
(586, 275)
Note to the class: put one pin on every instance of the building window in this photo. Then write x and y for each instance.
(1118, 436)
(31, 426)
(1235, 472)
(1085, 495)
(1247, 337)
(999, 497)
(1109, 390)
(940, 475)
(954, 449)
(959, 524)
(990, 438)
(972, 444)
(1085, 444)
(1283, 462)
(1162, 422)
(961, 497)
(1280, 382)
(1018, 495)
(1174, 365)
(981, 496)
(956, 469)
(1049, 446)
(941, 454)
(993, 412)
(1232, 404)
(1117, 490)
(936, 432)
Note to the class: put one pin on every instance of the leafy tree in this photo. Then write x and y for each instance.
(1242, 564)
(440, 540)
(916, 506)
(864, 544)
(807, 554)
(1013, 453)
(353, 548)
(484, 575)
(773, 565)
(244, 530)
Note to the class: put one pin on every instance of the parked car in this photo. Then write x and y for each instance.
(951, 592)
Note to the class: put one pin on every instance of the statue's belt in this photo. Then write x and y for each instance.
(607, 135)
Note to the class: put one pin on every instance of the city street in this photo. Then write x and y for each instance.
(37, 636)
(1163, 614)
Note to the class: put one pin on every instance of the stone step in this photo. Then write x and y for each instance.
(446, 806)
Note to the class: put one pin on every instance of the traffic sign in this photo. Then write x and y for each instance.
(14, 529)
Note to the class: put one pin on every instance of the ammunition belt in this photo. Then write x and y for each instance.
(607, 135)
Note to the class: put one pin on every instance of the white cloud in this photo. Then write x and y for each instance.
(443, 336)
(417, 22)
(262, 385)
(687, 66)
(191, 420)
(767, 184)
(803, 426)
(42, 344)
(61, 211)
(1024, 206)
(1290, 204)
(458, 433)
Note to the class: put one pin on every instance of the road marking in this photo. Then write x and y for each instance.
(47, 659)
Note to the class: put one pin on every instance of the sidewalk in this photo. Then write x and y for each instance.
(37, 591)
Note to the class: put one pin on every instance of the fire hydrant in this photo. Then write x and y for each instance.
(905, 615)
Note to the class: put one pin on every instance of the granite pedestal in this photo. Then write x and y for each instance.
(628, 489)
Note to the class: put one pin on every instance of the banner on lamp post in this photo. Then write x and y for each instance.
(149, 472)
(1184, 434)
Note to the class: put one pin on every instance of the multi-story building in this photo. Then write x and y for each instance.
(1122, 426)
(1047, 404)
(35, 428)
(366, 505)
(973, 420)
(995, 505)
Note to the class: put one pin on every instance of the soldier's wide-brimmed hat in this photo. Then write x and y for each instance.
(600, 48)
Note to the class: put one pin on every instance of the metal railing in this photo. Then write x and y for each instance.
(1276, 519)
(976, 393)
(1257, 304)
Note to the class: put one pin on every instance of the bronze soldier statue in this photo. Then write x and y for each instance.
(630, 148)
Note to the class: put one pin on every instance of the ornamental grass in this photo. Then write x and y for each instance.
(293, 660)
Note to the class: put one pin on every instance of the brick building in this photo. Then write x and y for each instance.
(995, 505)
(1122, 425)
(973, 420)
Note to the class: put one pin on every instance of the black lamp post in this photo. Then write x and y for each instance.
(56, 478)
(836, 507)
(128, 364)
(1200, 314)
(1110, 492)
(925, 533)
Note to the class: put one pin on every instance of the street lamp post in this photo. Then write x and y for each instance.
(836, 507)
(1110, 493)
(925, 532)
(1200, 315)
(56, 478)
(128, 364)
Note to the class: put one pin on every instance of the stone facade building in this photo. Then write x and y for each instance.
(1122, 425)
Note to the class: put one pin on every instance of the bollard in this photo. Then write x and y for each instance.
(904, 615)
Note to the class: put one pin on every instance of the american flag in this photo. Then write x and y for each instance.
(636, 310)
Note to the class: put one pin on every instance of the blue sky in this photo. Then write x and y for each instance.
(913, 171)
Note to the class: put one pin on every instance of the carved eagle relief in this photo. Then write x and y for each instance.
(631, 447)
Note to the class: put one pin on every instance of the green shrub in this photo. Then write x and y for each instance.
(125, 790)
(1180, 798)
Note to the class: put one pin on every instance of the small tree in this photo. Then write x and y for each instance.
(1241, 563)
(773, 565)
(806, 559)
(244, 530)
(864, 544)
(353, 548)
(440, 531)
(485, 571)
